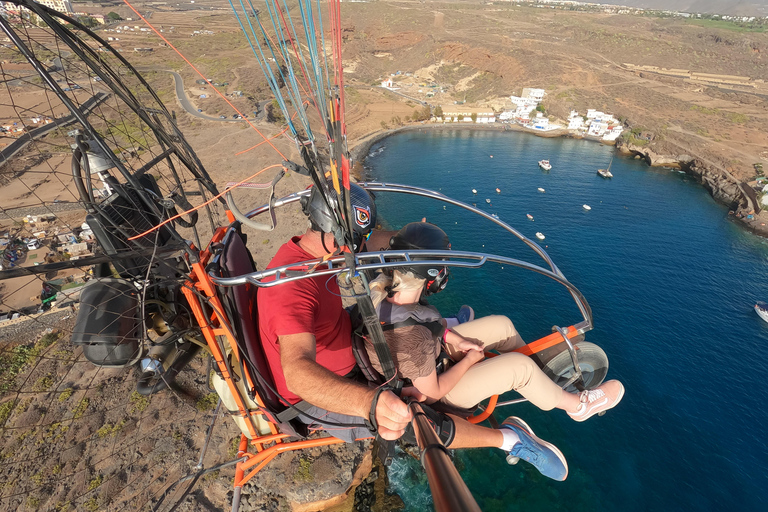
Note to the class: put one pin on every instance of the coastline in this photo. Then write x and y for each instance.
(721, 185)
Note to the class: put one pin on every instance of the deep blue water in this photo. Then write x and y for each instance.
(671, 281)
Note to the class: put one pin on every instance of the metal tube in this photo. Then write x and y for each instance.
(449, 492)
(555, 273)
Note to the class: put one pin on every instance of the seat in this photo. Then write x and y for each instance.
(234, 259)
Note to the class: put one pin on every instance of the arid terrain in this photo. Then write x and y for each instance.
(77, 438)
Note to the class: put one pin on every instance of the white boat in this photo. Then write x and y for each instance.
(494, 216)
(498, 191)
(540, 236)
(541, 189)
(544, 164)
(606, 173)
(530, 217)
(488, 201)
(474, 191)
(762, 310)
(586, 207)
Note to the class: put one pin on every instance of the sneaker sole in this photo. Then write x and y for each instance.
(549, 445)
(615, 403)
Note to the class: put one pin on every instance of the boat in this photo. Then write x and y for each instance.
(606, 173)
(586, 207)
(474, 191)
(488, 201)
(494, 216)
(540, 235)
(530, 217)
(762, 310)
(498, 191)
(541, 189)
(545, 165)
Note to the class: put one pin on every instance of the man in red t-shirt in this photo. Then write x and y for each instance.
(307, 335)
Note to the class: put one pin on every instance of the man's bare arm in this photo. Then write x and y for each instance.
(316, 384)
(323, 388)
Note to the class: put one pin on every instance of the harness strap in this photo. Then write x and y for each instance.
(435, 327)
(292, 412)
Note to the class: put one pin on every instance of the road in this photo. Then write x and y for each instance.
(188, 106)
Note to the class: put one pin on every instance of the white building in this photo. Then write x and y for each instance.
(57, 5)
(461, 113)
(613, 133)
(575, 121)
(534, 94)
(542, 123)
(597, 128)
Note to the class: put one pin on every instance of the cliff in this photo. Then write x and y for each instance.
(741, 199)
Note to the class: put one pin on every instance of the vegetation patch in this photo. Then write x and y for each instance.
(92, 505)
(95, 482)
(11, 364)
(304, 473)
(49, 339)
(208, 402)
(110, 430)
(80, 408)
(43, 383)
(64, 395)
(139, 401)
(6, 409)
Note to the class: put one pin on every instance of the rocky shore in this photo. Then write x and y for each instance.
(740, 198)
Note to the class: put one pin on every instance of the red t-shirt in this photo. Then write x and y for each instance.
(310, 305)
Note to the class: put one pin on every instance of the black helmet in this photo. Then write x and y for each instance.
(322, 219)
(424, 236)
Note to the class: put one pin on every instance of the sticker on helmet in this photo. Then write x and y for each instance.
(362, 216)
(433, 272)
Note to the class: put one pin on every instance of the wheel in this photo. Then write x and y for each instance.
(592, 361)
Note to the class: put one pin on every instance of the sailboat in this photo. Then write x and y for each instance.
(606, 173)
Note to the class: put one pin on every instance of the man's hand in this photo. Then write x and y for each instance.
(392, 416)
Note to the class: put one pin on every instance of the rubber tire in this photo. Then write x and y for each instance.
(592, 361)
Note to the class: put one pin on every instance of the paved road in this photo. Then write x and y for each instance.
(188, 106)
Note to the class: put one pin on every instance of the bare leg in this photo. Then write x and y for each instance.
(469, 435)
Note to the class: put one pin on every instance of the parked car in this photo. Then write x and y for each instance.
(222, 117)
(33, 244)
(199, 110)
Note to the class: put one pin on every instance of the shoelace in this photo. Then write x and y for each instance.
(523, 450)
(589, 396)
(527, 454)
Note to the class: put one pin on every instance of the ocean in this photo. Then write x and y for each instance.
(672, 282)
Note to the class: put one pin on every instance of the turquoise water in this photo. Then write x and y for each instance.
(671, 281)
